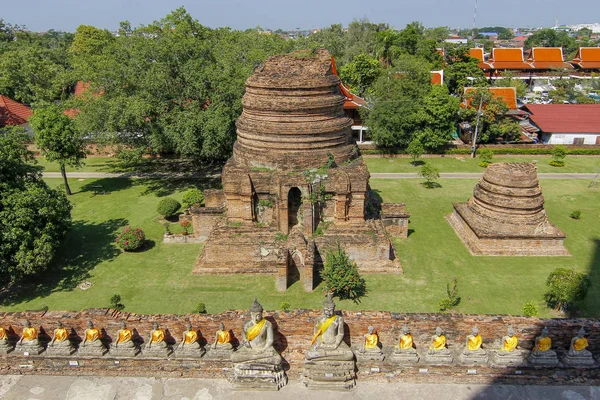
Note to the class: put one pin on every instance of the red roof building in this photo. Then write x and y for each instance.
(508, 58)
(548, 58)
(12, 112)
(587, 58)
(477, 53)
(507, 94)
(567, 123)
(437, 77)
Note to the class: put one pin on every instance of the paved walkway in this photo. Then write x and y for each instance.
(18, 387)
(410, 175)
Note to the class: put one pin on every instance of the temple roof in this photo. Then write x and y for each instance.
(508, 58)
(507, 94)
(547, 58)
(12, 112)
(587, 58)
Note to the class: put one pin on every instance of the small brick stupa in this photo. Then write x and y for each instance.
(295, 185)
(506, 216)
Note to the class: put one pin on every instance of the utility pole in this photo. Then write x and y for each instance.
(474, 141)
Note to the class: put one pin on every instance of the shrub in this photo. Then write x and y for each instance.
(168, 207)
(485, 156)
(452, 299)
(285, 306)
(129, 158)
(341, 277)
(200, 308)
(191, 197)
(430, 173)
(575, 214)
(558, 156)
(530, 309)
(115, 302)
(131, 238)
(565, 286)
(415, 149)
(186, 224)
(167, 226)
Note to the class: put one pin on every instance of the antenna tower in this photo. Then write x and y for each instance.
(474, 18)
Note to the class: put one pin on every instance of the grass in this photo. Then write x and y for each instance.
(464, 163)
(159, 279)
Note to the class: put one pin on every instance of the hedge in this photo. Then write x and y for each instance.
(495, 150)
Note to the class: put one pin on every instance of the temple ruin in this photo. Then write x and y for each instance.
(295, 185)
(506, 216)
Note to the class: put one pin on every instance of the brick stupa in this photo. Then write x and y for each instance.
(295, 185)
(506, 216)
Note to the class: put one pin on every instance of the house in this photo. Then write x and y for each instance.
(352, 105)
(454, 38)
(547, 58)
(577, 124)
(13, 113)
(587, 58)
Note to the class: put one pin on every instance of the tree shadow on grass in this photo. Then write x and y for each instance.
(431, 185)
(165, 186)
(417, 163)
(87, 245)
(106, 185)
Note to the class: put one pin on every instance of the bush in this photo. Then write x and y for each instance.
(558, 156)
(167, 226)
(530, 309)
(430, 173)
(131, 238)
(186, 225)
(415, 149)
(565, 287)
(168, 207)
(200, 308)
(485, 156)
(191, 197)
(115, 302)
(129, 158)
(557, 163)
(341, 277)
(575, 214)
(452, 299)
(285, 306)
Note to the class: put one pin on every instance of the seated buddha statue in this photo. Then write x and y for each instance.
(473, 343)
(29, 342)
(438, 343)
(157, 338)
(222, 339)
(61, 336)
(579, 344)
(327, 342)
(257, 342)
(543, 345)
(190, 338)
(92, 337)
(124, 345)
(6, 345)
(509, 343)
(371, 340)
(405, 342)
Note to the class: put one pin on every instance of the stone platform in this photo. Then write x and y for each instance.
(248, 376)
(329, 375)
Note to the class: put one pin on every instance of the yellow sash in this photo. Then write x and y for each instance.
(92, 334)
(2, 334)
(510, 343)
(544, 344)
(60, 335)
(223, 337)
(371, 341)
(124, 335)
(475, 342)
(190, 337)
(406, 342)
(158, 336)
(322, 328)
(255, 330)
(580, 344)
(439, 342)
(29, 333)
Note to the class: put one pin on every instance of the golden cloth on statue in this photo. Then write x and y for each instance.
(158, 336)
(60, 335)
(29, 334)
(125, 335)
(92, 334)
(475, 342)
(322, 328)
(439, 343)
(580, 344)
(190, 337)
(406, 342)
(3, 334)
(543, 344)
(510, 343)
(255, 330)
(372, 341)
(223, 337)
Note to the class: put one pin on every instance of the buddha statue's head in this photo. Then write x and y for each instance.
(27, 324)
(59, 325)
(511, 331)
(405, 330)
(544, 332)
(256, 311)
(155, 325)
(475, 331)
(221, 326)
(438, 331)
(90, 324)
(581, 332)
(328, 305)
(370, 329)
(123, 325)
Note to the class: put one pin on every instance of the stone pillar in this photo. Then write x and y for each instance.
(308, 270)
(309, 218)
(341, 207)
(356, 210)
(282, 271)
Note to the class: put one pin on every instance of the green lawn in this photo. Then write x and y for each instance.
(159, 279)
(91, 164)
(464, 163)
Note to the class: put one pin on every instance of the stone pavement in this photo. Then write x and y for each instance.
(19, 387)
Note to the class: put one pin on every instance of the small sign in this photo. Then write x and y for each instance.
(471, 372)
(328, 375)
(117, 362)
(518, 372)
(74, 363)
(423, 371)
(25, 353)
(375, 369)
(26, 366)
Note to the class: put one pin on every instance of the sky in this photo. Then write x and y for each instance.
(66, 15)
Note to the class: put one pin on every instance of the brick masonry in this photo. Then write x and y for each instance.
(293, 334)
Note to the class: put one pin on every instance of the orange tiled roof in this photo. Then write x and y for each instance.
(507, 94)
(587, 58)
(508, 58)
(352, 101)
(437, 77)
(547, 57)
(477, 52)
(12, 112)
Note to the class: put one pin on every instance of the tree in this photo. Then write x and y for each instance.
(360, 73)
(551, 38)
(341, 276)
(34, 217)
(415, 149)
(565, 287)
(438, 118)
(430, 173)
(57, 139)
(559, 153)
(462, 70)
(509, 79)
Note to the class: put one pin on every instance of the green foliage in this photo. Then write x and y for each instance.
(321, 228)
(281, 237)
(530, 309)
(341, 277)
(509, 79)
(167, 226)
(115, 302)
(565, 287)
(131, 239)
(452, 300)
(551, 38)
(186, 224)
(265, 203)
(129, 158)
(576, 214)
(430, 173)
(200, 308)
(360, 73)
(485, 156)
(168, 207)
(191, 197)
(461, 70)
(511, 150)
(415, 149)
(285, 306)
(558, 156)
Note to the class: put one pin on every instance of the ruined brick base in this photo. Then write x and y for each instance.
(329, 375)
(258, 376)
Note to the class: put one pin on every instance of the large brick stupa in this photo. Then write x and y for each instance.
(506, 215)
(295, 185)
